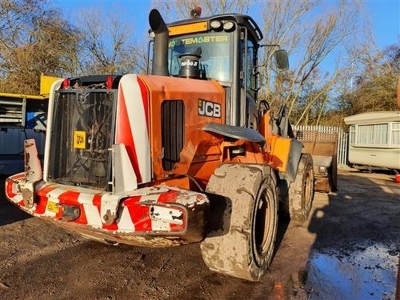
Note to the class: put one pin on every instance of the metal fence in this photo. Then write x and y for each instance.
(343, 138)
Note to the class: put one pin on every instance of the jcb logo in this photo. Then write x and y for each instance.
(209, 109)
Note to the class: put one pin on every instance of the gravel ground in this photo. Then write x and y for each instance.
(348, 249)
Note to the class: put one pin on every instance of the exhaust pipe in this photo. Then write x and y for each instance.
(160, 51)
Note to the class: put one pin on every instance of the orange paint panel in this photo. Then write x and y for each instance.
(203, 171)
(253, 153)
(280, 150)
(192, 156)
(265, 124)
(191, 92)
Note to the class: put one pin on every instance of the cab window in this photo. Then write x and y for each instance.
(214, 50)
(250, 76)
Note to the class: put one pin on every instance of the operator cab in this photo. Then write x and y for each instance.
(222, 48)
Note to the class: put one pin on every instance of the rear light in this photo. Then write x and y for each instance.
(66, 83)
(109, 82)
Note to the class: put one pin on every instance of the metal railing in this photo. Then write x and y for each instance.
(343, 138)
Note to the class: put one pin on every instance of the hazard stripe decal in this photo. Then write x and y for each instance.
(145, 210)
(132, 125)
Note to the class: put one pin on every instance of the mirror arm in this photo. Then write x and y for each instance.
(271, 45)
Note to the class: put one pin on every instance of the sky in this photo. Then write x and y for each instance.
(383, 15)
(385, 20)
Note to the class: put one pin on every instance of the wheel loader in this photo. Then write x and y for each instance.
(185, 154)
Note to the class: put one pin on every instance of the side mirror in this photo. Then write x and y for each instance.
(282, 60)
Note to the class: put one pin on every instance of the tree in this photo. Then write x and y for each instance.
(375, 80)
(181, 9)
(107, 44)
(309, 31)
(33, 40)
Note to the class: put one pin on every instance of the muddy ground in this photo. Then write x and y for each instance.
(348, 249)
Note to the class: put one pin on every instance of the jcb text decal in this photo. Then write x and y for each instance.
(79, 139)
(209, 109)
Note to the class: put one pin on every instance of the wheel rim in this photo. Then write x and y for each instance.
(263, 231)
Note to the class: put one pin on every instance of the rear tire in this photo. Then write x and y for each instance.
(301, 191)
(243, 245)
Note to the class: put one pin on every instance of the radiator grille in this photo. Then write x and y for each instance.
(81, 135)
(172, 122)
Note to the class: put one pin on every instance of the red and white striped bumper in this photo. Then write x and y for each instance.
(153, 216)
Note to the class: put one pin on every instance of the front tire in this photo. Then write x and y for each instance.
(243, 245)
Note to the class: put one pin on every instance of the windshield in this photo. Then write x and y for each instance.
(213, 48)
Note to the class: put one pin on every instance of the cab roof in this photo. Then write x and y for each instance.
(240, 19)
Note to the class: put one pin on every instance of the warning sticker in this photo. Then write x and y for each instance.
(79, 139)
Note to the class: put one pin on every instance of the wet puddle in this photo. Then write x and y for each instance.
(368, 273)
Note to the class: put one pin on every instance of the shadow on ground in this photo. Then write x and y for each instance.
(355, 254)
(8, 212)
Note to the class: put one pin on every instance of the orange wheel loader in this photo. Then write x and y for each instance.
(185, 154)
